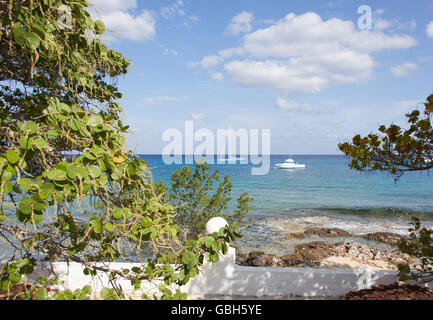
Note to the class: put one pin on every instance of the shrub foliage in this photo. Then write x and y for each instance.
(58, 97)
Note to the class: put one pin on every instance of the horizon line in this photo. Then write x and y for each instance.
(271, 154)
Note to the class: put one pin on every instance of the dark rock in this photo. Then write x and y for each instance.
(261, 259)
(385, 237)
(391, 292)
(315, 251)
(297, 260)
(326, 232)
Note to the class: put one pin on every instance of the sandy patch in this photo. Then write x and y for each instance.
(347, 262)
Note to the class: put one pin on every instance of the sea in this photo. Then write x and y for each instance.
(324, 194)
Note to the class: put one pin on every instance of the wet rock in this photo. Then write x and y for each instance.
(297, 260)
(316, 250)
(326, 232)
(385, 237)
(311, 254)
(261, 259)
(295, 235)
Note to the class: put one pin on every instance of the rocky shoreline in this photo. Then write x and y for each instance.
(324, 254)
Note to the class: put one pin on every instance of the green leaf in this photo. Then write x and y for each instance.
(82, 172)
(25, 183)
(99, 27)
(26, 142)
(89, 156)
(12, 156)
(108, 294)
(95, 120)
(33, 41)
(109, 227)
(39, 31)
(63, 108)
(19, 35)
(126, 213)
(30, 127)
(7, 187)
(103, 179)
(46, 191)
(56, 175)
(3, 162)
(26, 205)
(97, 225)
(72, 172)
(40, 294)
(37, 217)
(116, 213)
(86, 186)
(39, 143)
(208, 241)
(94, 171)
(146, 222)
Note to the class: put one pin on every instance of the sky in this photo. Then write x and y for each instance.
(315, 73)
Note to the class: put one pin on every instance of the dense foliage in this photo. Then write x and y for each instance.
(394, 149)
(70, 190)
(398, 151)
(200, 196)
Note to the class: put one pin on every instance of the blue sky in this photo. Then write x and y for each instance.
(303, 69)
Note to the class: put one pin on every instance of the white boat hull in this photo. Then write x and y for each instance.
(290, 166)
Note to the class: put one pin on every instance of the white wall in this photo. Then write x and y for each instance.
(227, 278)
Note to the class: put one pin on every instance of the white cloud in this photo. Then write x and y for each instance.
(172, 52)
(305, 74)
(308, 34)
(404, 70)
(240, 23)
(382, 24)
(167, 99)
(174, 9)
(291, 105)
(429, 30)
(395, 24)
(218, 76)
(197, 116)
(210, 61)
(306, 53)
(117, 18)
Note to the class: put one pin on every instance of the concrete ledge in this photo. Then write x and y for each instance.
(225, 278)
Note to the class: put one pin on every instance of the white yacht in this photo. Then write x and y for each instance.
(290, 164)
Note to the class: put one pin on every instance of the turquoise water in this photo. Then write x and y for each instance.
(327, 193)
(326, 182)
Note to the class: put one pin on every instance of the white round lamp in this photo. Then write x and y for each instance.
(215, 224)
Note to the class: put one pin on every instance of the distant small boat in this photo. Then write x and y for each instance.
(427, 160)
(230, 157)
(290, 164)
